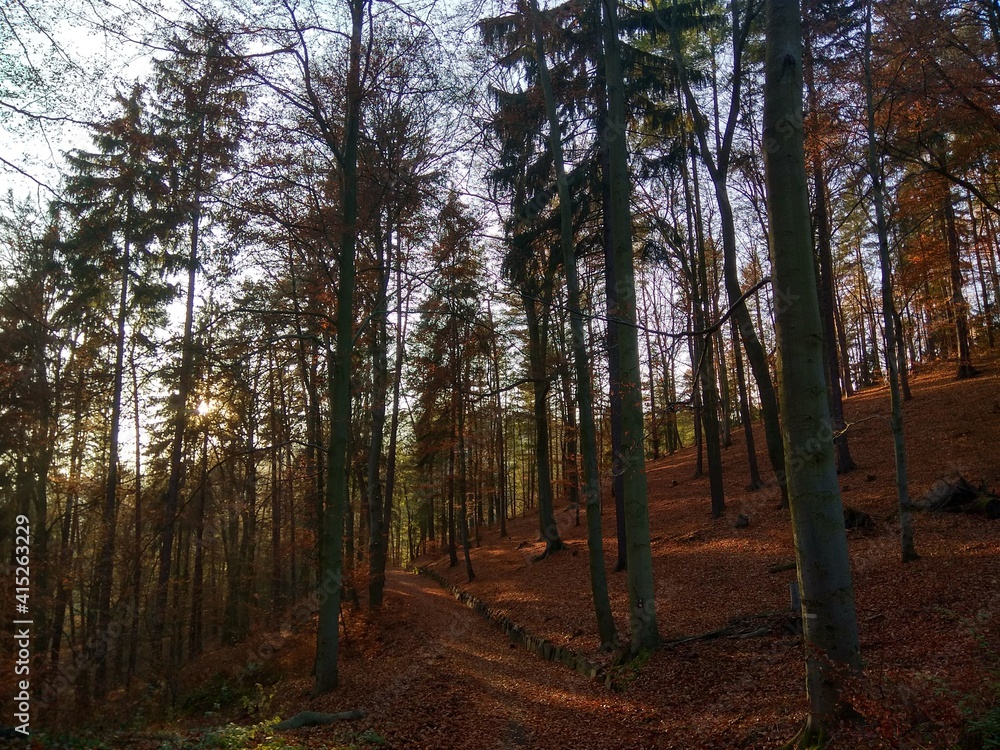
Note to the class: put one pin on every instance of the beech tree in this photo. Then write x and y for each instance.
(642, 605)
(829, 619)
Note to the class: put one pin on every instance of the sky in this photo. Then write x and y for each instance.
(60, 65)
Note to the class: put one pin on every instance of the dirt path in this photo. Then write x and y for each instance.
(445, 678)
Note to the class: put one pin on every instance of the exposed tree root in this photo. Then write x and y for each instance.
(810, 737)
(551, 547)
(740, 627)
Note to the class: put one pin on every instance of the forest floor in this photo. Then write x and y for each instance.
(429, 673)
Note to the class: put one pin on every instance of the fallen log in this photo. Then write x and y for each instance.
(988, 505)
(315, 719)
(958, 495)
(780, 567)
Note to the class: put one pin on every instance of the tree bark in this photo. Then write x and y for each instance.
(827, 594)
(611, 296)
(642, 604)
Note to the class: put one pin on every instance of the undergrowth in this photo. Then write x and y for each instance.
(251, 691)
(982, 712)
(626, 669)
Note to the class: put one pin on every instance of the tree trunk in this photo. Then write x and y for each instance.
(908, 551)
(452, 549)
(547, 526)
(844, 349)
(275, 488)
(337, 486)
(611, 295)
(581, 362)
(377, 521)
(501, 443)
(705, 359)
(959, 307)
(642, 604)
(390, 472)
(463, 483)
(827, 594)
(171, 500)
(741, 385)
(104, 570)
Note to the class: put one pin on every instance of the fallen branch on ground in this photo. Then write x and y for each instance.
(738, 628)
(314, 718)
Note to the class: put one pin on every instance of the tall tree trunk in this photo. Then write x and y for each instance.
(337, 485)
(277, 603)
(603, 124)
(705, 358)
(104, 572)
(829, 620)
(501, 442)
(907, 549)
(642, 604)
(547, 526)
(959, 307)
(581, 361)
(390, 472)
(378, 523)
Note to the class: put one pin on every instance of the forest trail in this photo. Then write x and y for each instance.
(448, 679)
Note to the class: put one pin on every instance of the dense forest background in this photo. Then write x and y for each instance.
(296, 292)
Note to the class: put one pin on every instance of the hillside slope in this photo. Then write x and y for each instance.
(431, 674)
(927, 628)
